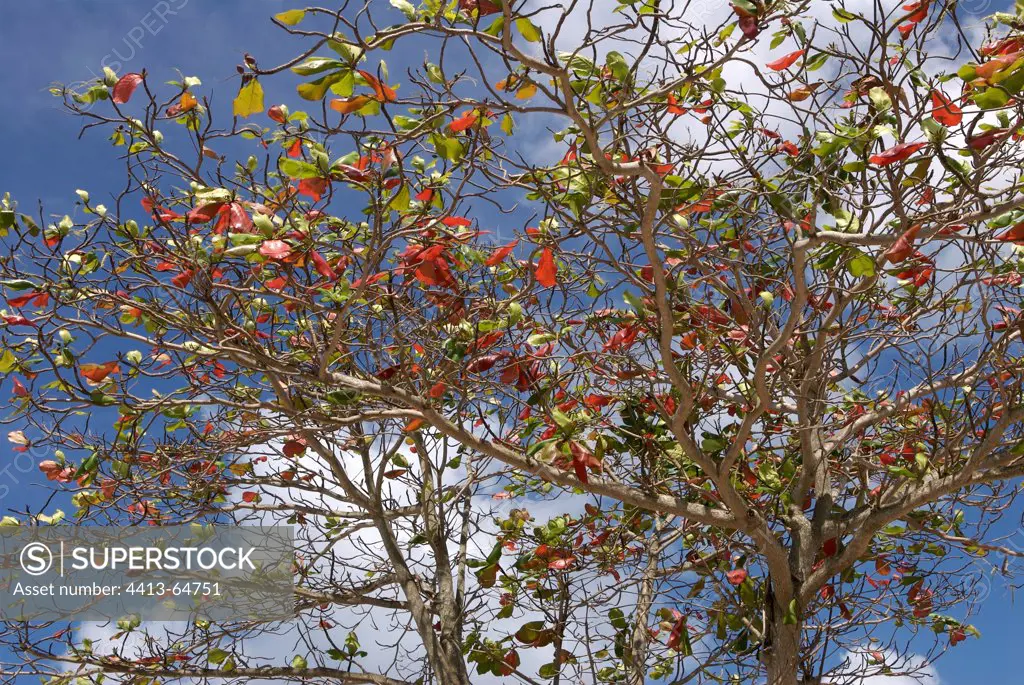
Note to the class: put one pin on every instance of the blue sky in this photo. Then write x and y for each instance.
(69, 40)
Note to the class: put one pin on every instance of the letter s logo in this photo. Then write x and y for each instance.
(36, 559)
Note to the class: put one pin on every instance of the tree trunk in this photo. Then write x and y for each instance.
(781, 655)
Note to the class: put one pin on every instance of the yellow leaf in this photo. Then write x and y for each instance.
(526, 92)
(291, 17)
(249, 100)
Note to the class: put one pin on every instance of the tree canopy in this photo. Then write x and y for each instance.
(598, 343)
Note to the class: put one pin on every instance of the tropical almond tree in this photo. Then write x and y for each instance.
(606, 344)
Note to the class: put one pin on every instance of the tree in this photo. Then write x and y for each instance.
(722, 384)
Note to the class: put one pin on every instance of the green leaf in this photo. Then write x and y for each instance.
(861, 265)
(18, 284)
(526, 28)
(842, 16)
(816, 62)
(617, 63)
(216, 656)
(291, 17)
(791, 618)
(249, 100)
(405, 7)
(487, 576)
(880, 99)
(315, 65)
(634, 301)
(296, 168)
(299, 662)
(317, 89)
(548, 671)
(400, 202)
(991, 98)
(7, 361)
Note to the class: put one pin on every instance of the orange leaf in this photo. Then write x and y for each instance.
(383, 92)
(546, 271)
(413, 425)
(903, 247)
(349, 105)
(188, 102)
(97, 372)
(785, 61)
(803, 92)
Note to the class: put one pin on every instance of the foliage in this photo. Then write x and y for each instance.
(723, 382)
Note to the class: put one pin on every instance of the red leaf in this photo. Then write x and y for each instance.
(561, 564)
(234, 217)
(313, 187)
(499, 255)
(438, 390)
(546, 272)
(790, 149)
(896, 154)
(464, 122)
(97, 372)
(249, 497)
(277, 250)
(295, 149)
(22, 300)
(1003, 47)
(903, 247)
(673, 105)
(983, 140)
(125, 86)
(434, 272)
(581, 458)
(944, 111)
(830, 547)
(183, 279)
(675, 638)
(294, 447)
(785, 61)
(19, 389)
(736, 576)
(322, 267)
(484, 7)
(1014, 234)
(277, 114)
(203, 213)
(749, 27)
(485, 363)
(919, 9)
